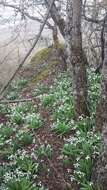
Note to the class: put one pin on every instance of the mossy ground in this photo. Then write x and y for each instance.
(46, 71)
(41, 56)
(44, 54)
(43, 63)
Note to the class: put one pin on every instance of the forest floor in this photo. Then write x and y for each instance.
(41, 145)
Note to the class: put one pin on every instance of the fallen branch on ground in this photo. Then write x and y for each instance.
(17, 101)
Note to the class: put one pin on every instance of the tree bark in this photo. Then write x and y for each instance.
(59, 49)
(73, 54)
(55, 36)
(77, 61)
(100, 171)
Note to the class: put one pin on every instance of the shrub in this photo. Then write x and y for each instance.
(61, 128)
(22, 184)
(48, 100)
(26, 164)
(17, 118)
(6, 132)
(43, 151)
(34, 121)
(23, 139)
(64, 112)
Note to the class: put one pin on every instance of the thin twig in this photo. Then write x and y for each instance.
(17, 101)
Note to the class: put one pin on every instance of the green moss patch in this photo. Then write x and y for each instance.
(45, 71)
(44, 54)
(41, 55)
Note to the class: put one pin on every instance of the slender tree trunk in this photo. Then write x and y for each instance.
(68, 33)
(100, 171)
(77, 60)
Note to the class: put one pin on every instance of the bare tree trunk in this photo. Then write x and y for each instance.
(77, 60)
(55, 36)
(59, 49)
(73, 54)
(100, 171)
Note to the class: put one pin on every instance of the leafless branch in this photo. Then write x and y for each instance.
(96, 21)
(31, 49)
(16, 101)
(26, 14)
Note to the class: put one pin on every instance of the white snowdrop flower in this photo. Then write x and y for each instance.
(8, 141)
(91, 183)
(72, 178)
(81, 117)
(34, 141)
(87, 157)
(40, 184)
(34, 176)
(76, 165)
(78, 133)
(72, 121)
